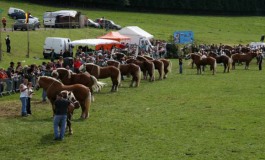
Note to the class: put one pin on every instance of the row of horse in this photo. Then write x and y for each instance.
(228, 61)
(79, 87)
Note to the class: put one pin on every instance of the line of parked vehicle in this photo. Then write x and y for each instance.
(62, 18)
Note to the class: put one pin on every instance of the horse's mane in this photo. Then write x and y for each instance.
(51, 78)
(68, 71)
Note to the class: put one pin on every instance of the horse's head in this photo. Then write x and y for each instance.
(37, 85)
(55, 74)
(187, 57)
(71, 97)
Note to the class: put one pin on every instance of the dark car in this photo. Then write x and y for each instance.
(91, 23)
(105, 23)
(21, 24)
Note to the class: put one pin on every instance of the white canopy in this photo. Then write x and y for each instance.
(135, 31)
(92, 42)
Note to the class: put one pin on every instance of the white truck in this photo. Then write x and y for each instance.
(58, 44)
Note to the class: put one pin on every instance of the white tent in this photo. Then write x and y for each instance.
(135, 33)
(92, 42)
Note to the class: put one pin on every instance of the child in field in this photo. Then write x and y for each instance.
(30, 93)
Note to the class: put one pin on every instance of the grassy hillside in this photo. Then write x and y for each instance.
(185, 116)
(207, 29)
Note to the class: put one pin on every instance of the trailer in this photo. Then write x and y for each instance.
(63, 18)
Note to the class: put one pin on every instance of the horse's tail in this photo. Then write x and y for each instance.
(230, 61)
(119, 77)
(138, 75)
(88, 104)
(153, 72)
(162, 70)
(97, 86)
(169, 67)
(214, 66)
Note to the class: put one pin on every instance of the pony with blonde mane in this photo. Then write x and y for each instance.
(227, 61)
(200, 61)
(68, 78)
(53, 87)
(128, 69)
(243, 58)
(103, 72)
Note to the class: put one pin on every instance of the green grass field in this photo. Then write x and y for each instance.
(186, 116)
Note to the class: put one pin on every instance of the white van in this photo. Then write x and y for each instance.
(57, 44)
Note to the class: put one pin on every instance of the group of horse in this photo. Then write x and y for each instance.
(227, 58)
(79, 87)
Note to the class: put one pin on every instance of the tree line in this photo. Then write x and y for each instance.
(232, 7)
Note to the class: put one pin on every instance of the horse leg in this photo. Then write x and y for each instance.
(160, 74)
(69, 125)
(133, 79)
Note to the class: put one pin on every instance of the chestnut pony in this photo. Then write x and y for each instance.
(243, 58)
(147, 67)
(68, 78)
(199, 61)
(128, 69)
(227, 61)
(103, 72)
(52, 86)
(159, 65)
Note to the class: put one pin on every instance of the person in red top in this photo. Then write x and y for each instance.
(77, 64)
(4, 23)
(3, 74)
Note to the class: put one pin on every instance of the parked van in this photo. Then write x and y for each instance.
(57, 44)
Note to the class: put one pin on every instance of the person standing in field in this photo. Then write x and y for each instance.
(260, 58)
(60, 116)
(30, 93)
(24, 97)
(180, 65)
(4, 22)
(8, 47)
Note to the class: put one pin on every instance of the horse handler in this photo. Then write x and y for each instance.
(60, 116)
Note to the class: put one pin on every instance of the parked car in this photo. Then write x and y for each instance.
(91, 23)
(105, 23)
(16, 13)
(21, 24)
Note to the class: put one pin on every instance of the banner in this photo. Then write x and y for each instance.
(183, 37)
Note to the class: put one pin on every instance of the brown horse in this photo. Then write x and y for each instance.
(146, 67)
(159, 65)
(227, 61)
(68, 78)
(199, 61)
(243, 58)
(52, 87)
(103, 72)
(70, 97)
(129, 69)
(113, 63)
(167, 66)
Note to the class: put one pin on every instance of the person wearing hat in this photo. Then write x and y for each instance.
(60, 116)
(4, 22)
(8, 47)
